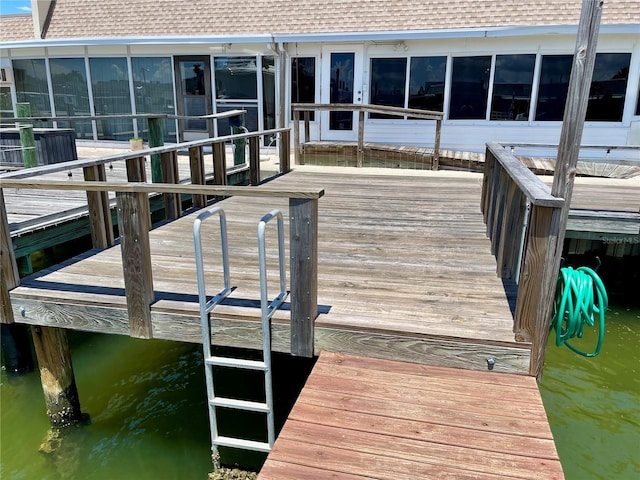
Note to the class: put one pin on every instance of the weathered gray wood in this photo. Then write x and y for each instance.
(360, 152)
(9, 276)
(498, 218)
(507, 254)
(219, 164)
(99, 209)
(56, 373)
(303, 228)
(285, 151)
(196, 167)
(436, 146)
(298, 158)
(172, 203)
(254, 161)
(356, 107)
(136, 260)
(307, 127)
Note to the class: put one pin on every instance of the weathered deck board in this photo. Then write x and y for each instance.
(365, 418)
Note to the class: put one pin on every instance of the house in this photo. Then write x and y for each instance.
(497, 70)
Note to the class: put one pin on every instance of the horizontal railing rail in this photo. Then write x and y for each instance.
(134, 222)
(518, 211)
(305, 108)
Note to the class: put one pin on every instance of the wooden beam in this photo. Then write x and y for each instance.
(27, 140)
(9, 277)
(99, 209)
(436, 146)
(296, 138)
(136, 261)
(219, 164)
(56, 374)
(285, 151)
(307, 132)
(254, 161)
(156, 139)
(170, 174)
(196, 164)
(360, 151)
(303, 229)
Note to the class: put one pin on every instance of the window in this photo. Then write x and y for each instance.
(469, 88)
(608, 87)
(70, 93)
(554, 83)
(269, 95)
(111, 96)
(153, 92)
(512, 82)
(6, 108)
(303, 81)
(236, 78)
(426, 83)
(31, 85)
(388, 80)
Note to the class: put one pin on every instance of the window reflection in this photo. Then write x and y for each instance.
(388, 80)
(31, 86)
(153, 91)
(341, 89)
(111, 96)
(554, 83)
(236, 78)
(303, 81)
(608, 87)
(426, 83)
(71, 94)
(512, 82)
(469, 87)
(269, 94)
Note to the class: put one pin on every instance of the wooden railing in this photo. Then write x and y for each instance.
(134, 222)
(362, 109)
(519, 238)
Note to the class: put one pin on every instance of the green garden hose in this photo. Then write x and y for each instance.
(580, 297)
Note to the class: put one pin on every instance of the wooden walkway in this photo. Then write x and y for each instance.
(361, 418)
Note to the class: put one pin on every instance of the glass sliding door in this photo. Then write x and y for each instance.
(71, 94)
(111, 96)
(153, 91)
(193, 89)
(236, 80)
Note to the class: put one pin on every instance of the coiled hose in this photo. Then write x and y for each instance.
(580, 297)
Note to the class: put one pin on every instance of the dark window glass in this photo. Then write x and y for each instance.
(70, 93)
(303, 81)
(554, 83)
(236, 78)
(426, 83)
(269, 95)
(608, 87)
(6, 107)
(388, 80)
(469, 88)
(153, 90)
(341, 89)
(111, 96)
(31, 85)
(512, 83)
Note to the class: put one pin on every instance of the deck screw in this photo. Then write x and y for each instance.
(23, 312)
(491, 363)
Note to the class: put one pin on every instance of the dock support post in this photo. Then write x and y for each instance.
(56, 374)
(285, 151)
(99, 209)
(435, 165)
(196, 164)
(254, 161)
(156, 139)
(219, 164)
(170, 174)
(303, 230)
(360, 153)
(27, 140)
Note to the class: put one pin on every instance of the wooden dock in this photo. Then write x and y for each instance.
(359, 417)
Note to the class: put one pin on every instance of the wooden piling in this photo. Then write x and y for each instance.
(27, 140)
(156, 139)
(56, 373)
(254, 161)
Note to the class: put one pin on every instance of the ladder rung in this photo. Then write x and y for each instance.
(236, 363)
(239, 404)
(240, 443)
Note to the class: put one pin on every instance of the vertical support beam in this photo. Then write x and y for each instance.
(568, 150)
(156, 139)
(136, 172)
(254, 160)
(27, 140)
(219, 164)
(360, 154)
(170, 174)
(56, 374)
(9, 277)
(136, 261)
(307, 127)
(436, 146)
(285, 151)
(303, 228)
(499, 207)
(296, 138)
(99, 211)
(196, 164)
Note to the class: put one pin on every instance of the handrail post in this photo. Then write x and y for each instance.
(27, 140)
(99, 209)
(285, 151)
(136, 261)
(435, 165)
(9, 276)
(156, 139)
(296, 138)
(170, 174)
(307, 129)
(303, 231)
(360, 152)
(254, 160)
(219, 164)
(196, 168)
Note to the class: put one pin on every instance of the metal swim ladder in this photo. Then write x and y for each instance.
(267, 310)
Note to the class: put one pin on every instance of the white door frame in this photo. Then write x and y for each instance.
(358, 50)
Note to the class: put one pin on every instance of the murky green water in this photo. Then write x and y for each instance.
(593, 405)
(147, 405)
